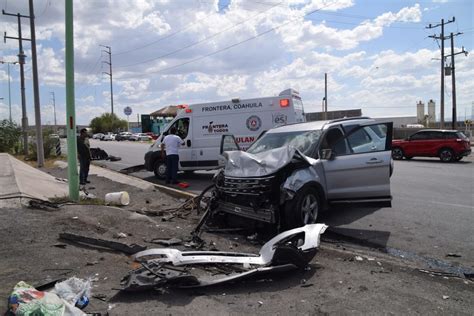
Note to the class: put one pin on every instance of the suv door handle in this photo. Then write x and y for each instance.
(373, 161)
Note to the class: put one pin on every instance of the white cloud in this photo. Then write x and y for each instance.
(305, 35)
(327, 5)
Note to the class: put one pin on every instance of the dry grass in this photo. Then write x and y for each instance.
(48, 163)
(65, 199)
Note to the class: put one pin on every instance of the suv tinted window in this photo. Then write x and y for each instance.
(359, 138)
(374, 139)
(455, 135)
(436, 135)
(419, 136)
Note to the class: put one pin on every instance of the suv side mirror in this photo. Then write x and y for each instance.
(327, 154)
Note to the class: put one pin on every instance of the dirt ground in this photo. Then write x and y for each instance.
(336, 283)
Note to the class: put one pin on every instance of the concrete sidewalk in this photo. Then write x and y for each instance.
(20, 180)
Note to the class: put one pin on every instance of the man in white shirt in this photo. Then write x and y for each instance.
(171, 144)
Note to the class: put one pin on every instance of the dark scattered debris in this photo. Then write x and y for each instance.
(453, 255)
(166, 242)
(114, 245)
(168, 217)
(101, 297)
(307, 285)
(48, 285)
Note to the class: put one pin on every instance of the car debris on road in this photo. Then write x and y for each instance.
(289, 250)
(114, 245)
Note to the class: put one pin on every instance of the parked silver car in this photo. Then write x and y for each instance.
(293, 172)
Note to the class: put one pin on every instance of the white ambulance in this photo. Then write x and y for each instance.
(201, 126)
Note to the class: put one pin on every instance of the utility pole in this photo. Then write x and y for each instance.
(453, 78)
(442, 38)
(39, 130)
(109, 52)
(21, 61)
(9, 87)
(70, 106)
(325, 99)
(53, 98)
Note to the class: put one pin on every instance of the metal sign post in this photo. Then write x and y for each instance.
(127, 111)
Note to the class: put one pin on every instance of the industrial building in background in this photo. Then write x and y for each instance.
(332, 115)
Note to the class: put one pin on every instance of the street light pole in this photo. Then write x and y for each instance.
(9, 86)
(38, 126)
(21, 61)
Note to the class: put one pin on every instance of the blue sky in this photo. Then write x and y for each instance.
(377, 54)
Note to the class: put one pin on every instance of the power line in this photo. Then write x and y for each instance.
(167, 36)
(350, 23)
(230, 46)
(160, 39)
(195, 43)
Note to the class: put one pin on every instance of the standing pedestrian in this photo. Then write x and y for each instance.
(171, 144)
(84, 154)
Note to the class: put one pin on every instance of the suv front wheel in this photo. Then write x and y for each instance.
(303, 209)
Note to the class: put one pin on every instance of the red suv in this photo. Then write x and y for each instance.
(446, 144)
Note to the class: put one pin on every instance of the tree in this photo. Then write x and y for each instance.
(9, 136)
(107, 122)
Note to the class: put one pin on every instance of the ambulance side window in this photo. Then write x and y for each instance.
(182, 127)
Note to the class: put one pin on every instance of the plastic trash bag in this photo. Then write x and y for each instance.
(25, 300)
(72, 289)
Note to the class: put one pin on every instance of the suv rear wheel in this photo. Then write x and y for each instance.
(397, 153)
(446, 155)
(303, 209)
(160, 169)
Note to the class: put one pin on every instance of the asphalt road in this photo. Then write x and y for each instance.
(431, 214)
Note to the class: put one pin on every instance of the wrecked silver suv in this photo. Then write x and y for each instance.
(293, 172)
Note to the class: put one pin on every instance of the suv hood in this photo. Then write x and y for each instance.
(243, 164)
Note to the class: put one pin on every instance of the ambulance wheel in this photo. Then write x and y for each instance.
(160, 170)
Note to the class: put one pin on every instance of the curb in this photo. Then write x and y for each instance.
(167, 190)
(170, 191)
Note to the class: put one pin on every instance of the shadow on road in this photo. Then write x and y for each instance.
(183, 297)
(338, 216)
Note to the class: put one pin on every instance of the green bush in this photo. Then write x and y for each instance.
(49, 146)
(9, 136)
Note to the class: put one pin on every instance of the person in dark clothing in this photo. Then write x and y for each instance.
(84, 154)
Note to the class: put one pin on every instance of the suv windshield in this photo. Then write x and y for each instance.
(301, 140)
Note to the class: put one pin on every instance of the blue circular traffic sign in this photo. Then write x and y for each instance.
(127, 110)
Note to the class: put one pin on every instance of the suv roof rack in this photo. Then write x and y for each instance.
(348, 119)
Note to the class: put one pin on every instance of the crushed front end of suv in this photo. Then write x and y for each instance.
(293, 172)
